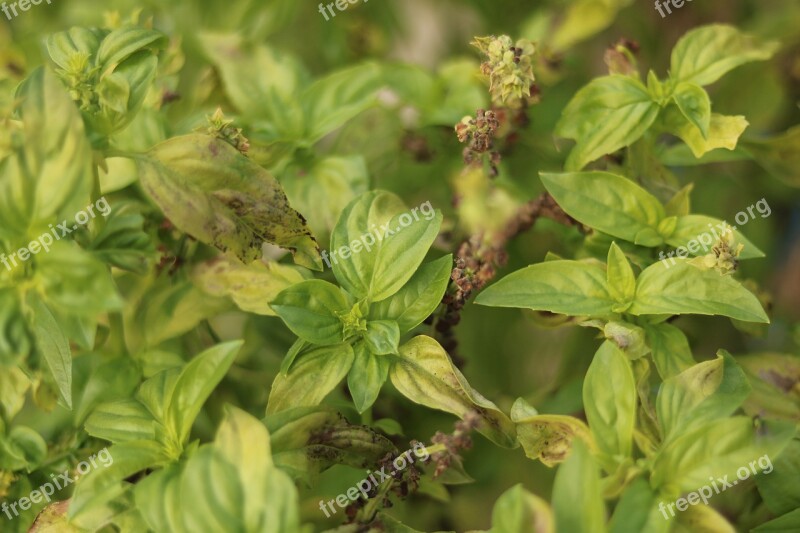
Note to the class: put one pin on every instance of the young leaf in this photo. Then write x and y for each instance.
(610, 411)
(220, 197)
(567, 287)
(418, 298)
(686, 289)
(705, 54)
(707, 391)
(382, 337)
(367, 375)
(607, 114)
(196, 383)
(424, 374)
(380, 244)
(124, 42)
(695, 105)
(723, 131)
(312, 310)
(670, 348)
(577, 496)
(609, 203)
(311, 378)
(620, 278)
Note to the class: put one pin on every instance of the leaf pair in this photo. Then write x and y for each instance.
(614, 111)
(584, 288)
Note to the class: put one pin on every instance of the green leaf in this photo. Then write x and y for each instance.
(695, 105)
(547, 438)
(607, 114)
(367, 375)
(424, 374)
(519, 511)
(418, 298)
(53, 346)
(312, 310)
(610, 411)
(309, 440)
(212, 192)
(567, 287)
(707, 391)
(333, 100)
(716, 449)
(577, 498)
(691, 228)
(609, 203)
(380, 244)
(195, 384)
(382, 337)
(121, 421)
(705, 54)
(253, 287)
(670, 349)
(123, 42)
(48, 177)
(620, 278)
(686, 289)
(64, 44)
(311, 378)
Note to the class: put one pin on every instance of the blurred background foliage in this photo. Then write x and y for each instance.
(405, 146)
